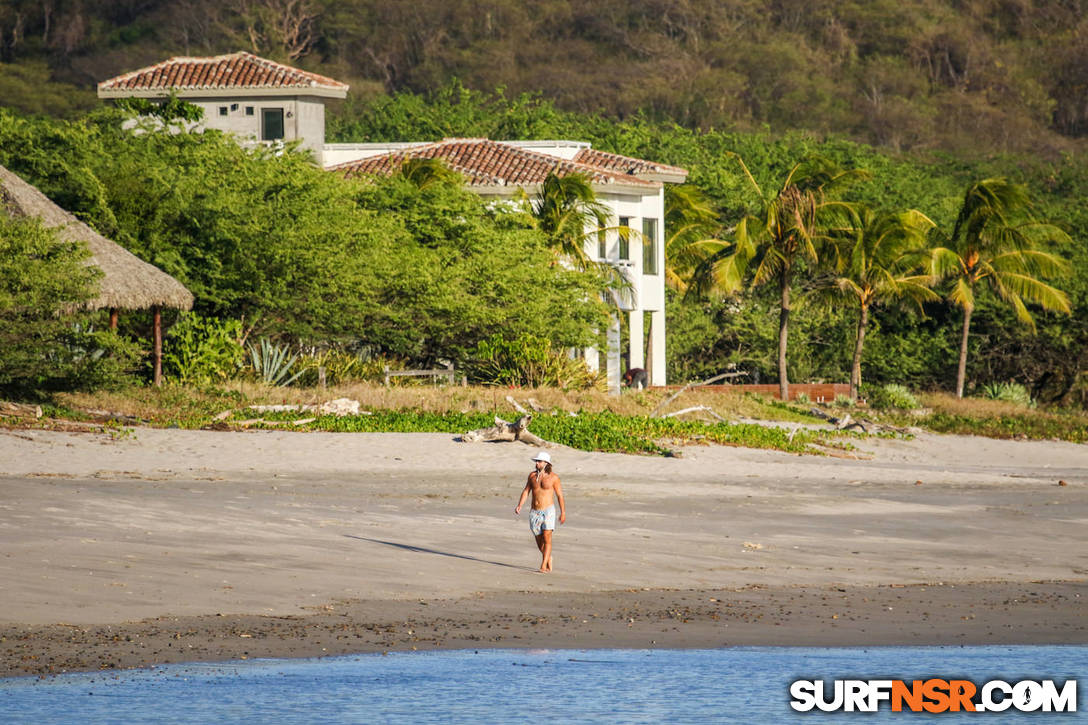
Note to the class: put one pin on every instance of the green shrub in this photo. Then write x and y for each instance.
(529, 361)
(891, 396)
(47, 343)
(603, 431)
(203, 349)
(843, 401)
(342, 366)
(1008, 392)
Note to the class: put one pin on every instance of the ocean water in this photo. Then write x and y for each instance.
(742, 684)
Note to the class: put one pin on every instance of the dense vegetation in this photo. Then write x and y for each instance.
(960, 75)
(927, 97)
(294, 253)
(46, 341)
(707, 334)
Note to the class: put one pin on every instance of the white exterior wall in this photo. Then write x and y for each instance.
(648, 290)
(335, 154)
(303, 118)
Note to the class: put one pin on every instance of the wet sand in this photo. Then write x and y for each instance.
(170, 545)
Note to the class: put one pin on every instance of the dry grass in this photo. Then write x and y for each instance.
(972, 407)
(177, 404)
(1001, 419)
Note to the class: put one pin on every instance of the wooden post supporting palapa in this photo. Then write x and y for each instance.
(113, 319)
(156, 314)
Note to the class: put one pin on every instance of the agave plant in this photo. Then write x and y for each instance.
(1008, 392)
(273, 363)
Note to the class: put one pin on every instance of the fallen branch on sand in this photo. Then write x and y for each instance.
(696, 408)
(665, 403)
(506, 431)
(846, 422)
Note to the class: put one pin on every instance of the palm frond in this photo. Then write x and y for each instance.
(962, 295)
(1033, 290)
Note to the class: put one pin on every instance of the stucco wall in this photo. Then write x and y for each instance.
(303, 117)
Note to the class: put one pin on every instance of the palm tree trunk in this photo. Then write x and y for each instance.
(783, 334)
(855, 370)
(961, 374)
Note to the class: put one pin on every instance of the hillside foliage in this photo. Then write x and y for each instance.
(958, 75)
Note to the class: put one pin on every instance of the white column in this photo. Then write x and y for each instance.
(593, 358)
(613, 370)
(637, 355)
(657, 347)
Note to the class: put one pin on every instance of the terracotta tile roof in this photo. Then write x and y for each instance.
(233, 71)
(489, 163)
(625, 164)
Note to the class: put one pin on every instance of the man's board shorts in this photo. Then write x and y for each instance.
(542, 520)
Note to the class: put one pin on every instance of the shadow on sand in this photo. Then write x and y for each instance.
(424, 550)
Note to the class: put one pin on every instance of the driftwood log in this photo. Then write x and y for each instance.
(504, 430)
(697, 409)
(846, 422)
(19, 410)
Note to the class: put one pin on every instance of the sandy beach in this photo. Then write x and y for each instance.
(174, 545)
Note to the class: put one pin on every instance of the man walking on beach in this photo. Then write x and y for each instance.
(546, 490)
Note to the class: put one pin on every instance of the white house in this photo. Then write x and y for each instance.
(260, 100)
(632, 189)
(255, 98)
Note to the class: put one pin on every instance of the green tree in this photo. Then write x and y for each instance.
(453, 270)
(995, 243)
(879, 258)
(786, 230)
(47, 342)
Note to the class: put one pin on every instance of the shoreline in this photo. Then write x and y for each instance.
(945, 614)
(198, 546)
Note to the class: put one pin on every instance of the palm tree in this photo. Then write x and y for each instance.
(770, 244)
(424, 173)
(566, 209)
(692, 226)
(995, 242)
(877, 259)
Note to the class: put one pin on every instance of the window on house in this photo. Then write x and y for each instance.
(602, 245)
(249, 110)
(271, 124)
(649, 246)
(222, 110)
(625, 238)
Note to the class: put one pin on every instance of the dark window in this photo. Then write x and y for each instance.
(271, 124)
(222, 110)
(602, 244)
(625, 238)
(649, 246)
(249, 110)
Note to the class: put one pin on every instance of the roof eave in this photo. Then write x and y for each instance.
(664, 177)
(320, 91)
(512, 189)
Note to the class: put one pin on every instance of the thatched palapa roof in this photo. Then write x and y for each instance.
(127, 282)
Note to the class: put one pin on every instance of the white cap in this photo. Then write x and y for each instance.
(543, 456)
